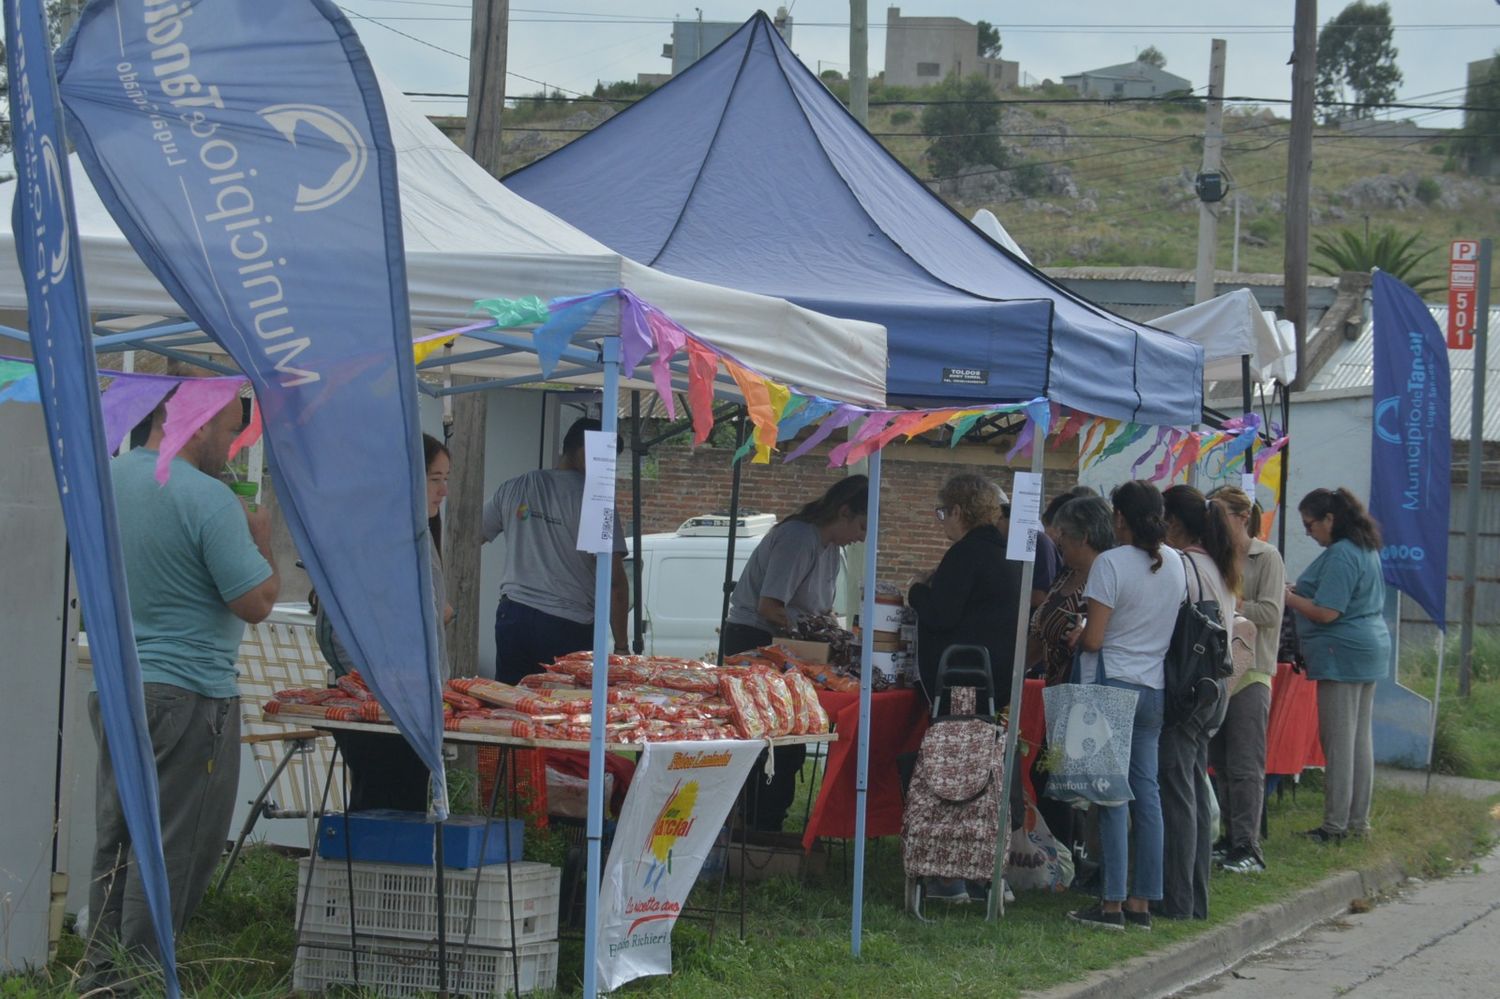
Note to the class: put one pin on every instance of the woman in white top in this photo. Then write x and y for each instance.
(1132, 593)
(1204, 532)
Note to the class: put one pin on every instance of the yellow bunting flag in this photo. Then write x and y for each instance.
(757, 392)
(424, 349)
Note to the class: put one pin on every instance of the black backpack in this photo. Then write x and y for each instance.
(1198, 654)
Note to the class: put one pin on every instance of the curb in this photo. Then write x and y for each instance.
(1212, 953)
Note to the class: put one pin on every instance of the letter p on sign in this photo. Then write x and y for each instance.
(1463, 279)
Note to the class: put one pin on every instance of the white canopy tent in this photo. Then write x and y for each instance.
(1231, 327)
(468, 237)
(987, 223)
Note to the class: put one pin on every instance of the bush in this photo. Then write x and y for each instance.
(964, 126)
(1266, 227)
(1030, 179)
(1428, 190)
(1437, 149)
(1450, 165)
(902, 118)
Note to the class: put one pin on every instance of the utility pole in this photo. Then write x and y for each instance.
(464, 415)
(1299, 176)
(859, 67)
(1210, 179)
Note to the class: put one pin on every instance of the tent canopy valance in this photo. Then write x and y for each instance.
(466, 237)
(745, 171)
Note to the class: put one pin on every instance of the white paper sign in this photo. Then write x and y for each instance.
(596, 521)
(1025, 517)
(1247, 483)
(679, 798)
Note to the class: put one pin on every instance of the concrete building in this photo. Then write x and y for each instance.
(922, 51)
(1127, 80)
(693, 39)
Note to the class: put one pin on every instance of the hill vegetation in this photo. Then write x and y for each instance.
(1112, 184)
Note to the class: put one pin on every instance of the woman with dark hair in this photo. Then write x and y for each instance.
(1084, 530)
(1238, 750)
(970, 599)
(1340, 604)
(792, 576)
(1202, 532)
(1132, 595)
(384, 772)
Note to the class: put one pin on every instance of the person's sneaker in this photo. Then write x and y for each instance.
(1140, 920)
(1095, 916)
(946, 890)
(1243, 862)
(1321, 835)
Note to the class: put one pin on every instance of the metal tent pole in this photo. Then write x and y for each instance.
(609, 425)
(637, 453)
(996, 905)
(867, 666)
(734, 517)
(1437, 694)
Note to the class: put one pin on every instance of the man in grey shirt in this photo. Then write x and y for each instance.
(546, 584)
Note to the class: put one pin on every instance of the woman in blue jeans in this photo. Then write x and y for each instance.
(1131, 596)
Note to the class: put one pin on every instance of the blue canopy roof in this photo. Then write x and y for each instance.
(745, 171)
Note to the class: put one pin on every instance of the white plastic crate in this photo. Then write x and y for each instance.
(391, 967)
(399, 900)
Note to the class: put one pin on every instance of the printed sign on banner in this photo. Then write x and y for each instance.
(1463, 280)
(596, 521)
(679, 798)
(1025, 517)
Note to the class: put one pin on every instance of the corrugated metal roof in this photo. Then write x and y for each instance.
(1177, 276)
(1351, 370)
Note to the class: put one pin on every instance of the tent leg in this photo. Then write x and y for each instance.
(867, 665)
(996, 906)
(1437, 693)
(734, 520)
(637, 454)
(603, 565)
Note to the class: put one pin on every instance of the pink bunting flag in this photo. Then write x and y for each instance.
(703, 367)
(196, 401)
(250, 434)
(669, 339)
(1070, 429)
(868, 431)
(897, 427)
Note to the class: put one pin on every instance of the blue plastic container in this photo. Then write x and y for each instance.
(393, 837)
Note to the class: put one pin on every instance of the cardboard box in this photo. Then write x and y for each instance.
(808, 652)
(773, 855)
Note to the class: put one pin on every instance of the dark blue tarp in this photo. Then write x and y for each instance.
(746, 172)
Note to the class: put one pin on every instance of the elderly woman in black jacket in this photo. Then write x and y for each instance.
(971, 598)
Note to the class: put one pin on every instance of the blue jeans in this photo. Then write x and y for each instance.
(526, 639)
(1144, 813)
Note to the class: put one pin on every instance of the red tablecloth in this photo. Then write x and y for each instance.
(1292, 742)
(898, 720)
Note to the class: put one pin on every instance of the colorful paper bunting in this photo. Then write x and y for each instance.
(703, 368)
(841, 417)
(196, 401)
(668, 338)
(510, 313)
(26, 388)
(250, 434)
(128, 401)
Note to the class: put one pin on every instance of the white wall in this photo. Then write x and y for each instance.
(32, 629)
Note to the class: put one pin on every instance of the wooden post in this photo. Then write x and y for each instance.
(1213, 143)
(1299, 176)
(487, 41)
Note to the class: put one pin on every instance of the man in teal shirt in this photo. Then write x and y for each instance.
(198, 567)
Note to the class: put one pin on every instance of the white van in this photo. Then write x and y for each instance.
(682, 581)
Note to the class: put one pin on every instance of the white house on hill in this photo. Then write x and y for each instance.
(1128, 79)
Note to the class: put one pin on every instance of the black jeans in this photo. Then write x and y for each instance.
(768, 801)
(526, 639)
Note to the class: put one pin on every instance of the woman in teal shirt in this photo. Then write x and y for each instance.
(1340, 605)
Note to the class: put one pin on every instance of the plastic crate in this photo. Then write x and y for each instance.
(388, 836)
(397, 900)
(408, 968)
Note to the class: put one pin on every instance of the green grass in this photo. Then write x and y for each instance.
(797, 944)
(1468, 733)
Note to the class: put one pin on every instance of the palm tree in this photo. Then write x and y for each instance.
(1387, 249)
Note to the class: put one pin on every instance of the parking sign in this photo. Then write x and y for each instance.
(1463, 281)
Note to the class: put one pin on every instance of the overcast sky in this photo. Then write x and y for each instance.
(574, 43)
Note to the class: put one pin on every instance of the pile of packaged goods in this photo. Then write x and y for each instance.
(843, 650)
(651, 699)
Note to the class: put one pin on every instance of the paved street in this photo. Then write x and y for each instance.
(1439, 939)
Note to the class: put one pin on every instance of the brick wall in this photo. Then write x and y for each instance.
(679, 482)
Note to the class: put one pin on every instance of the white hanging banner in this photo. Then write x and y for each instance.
(596, 519)
(679, 798)
(1025, 517)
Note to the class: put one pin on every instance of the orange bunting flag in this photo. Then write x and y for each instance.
(757, 395)
(703, 367)
(928, 421)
